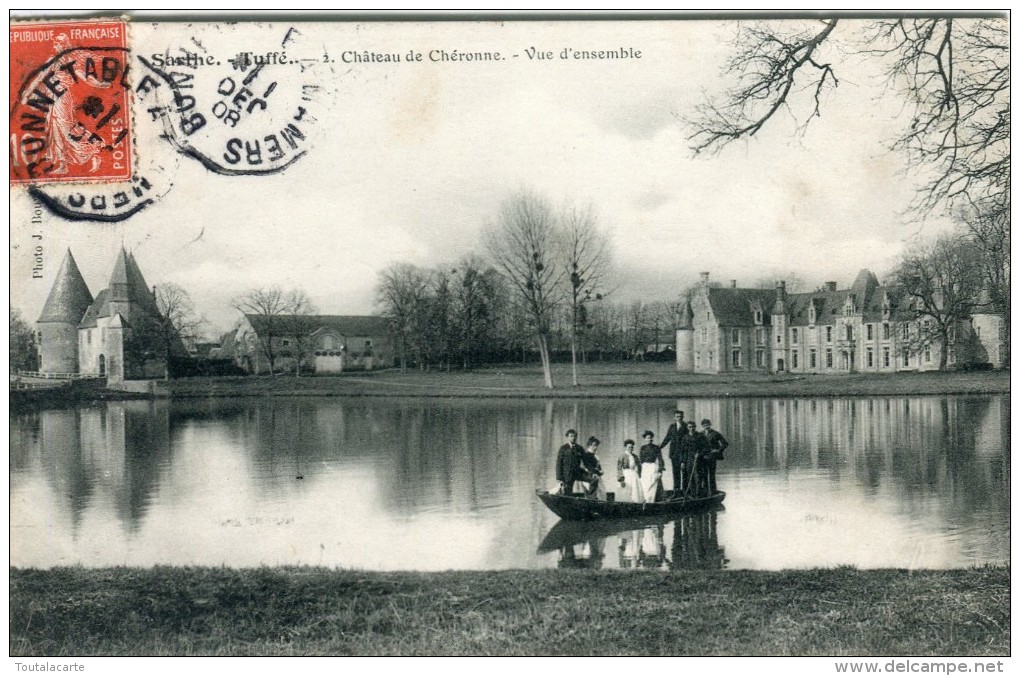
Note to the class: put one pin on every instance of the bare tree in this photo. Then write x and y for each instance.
(401, 293)
(942, 279)
(298, 324)
(175, 321)
(269, 304)
(953, 76)
(990, 231)
(586, 254)
(522, 245)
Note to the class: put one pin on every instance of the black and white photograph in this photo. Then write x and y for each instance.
(475, 334)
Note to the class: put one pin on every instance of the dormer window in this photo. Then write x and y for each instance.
(811, 314)
(757, 316)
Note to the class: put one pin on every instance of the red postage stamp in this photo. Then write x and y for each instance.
(70, 102)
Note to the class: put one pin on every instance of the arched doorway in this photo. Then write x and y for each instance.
(102, 365)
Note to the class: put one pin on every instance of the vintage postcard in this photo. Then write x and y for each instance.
(585, 336)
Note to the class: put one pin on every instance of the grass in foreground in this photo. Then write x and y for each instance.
(308, 611)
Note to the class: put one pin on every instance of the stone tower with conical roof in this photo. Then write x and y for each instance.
(58, 324)
(685, 340)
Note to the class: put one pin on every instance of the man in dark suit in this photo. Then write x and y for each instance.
(568, 463)
(715, 446)
(674, 435)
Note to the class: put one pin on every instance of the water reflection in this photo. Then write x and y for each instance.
(690, 542)
(435, 484)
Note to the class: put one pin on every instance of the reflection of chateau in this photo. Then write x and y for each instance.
(111, 454)
(104, 336)
(867, 327)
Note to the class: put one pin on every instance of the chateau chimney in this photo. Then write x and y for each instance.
(830, 286)
(733, 283)
(704, 279)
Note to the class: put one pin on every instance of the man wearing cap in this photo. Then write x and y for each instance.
(715, 445)
(651, 468)
(674, 436)
(568, 463)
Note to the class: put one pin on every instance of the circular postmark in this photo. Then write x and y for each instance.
(247, 112)
(153, 167)
(70, 119)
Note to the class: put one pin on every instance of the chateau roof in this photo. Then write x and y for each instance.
(733, 307)
(126, 285)
(70, 296)
(348, 325)
(95, 310)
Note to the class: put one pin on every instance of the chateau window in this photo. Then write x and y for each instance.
(704, 334)
(286, 342)
(760, 358)
(793, 335)
(870, 336)
(885, 356)
(779, 339)
(735, 358)
(885, 331)
(849, 332)
(871, 358)
(735, 336)
(906, 357)
(828, 358)
(813, 361)
(927, 355)
(828, 334)
(794, 356)
(906, 331)
(761, 336)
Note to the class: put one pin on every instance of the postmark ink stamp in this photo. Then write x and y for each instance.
(239, 112)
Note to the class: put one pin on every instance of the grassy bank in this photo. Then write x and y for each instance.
(305, 611)
(597, 380)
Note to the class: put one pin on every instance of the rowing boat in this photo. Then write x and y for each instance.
(576, 507)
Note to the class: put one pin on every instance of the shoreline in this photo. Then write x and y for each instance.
(317, 611)
(602, 381)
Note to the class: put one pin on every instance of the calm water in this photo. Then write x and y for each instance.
(393, 484)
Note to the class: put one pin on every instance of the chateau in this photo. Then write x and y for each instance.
(79, 334)
(867, 327)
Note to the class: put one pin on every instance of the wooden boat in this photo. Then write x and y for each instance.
(576, 507)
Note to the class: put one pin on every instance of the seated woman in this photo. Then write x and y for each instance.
(628, 473)
(591, 471)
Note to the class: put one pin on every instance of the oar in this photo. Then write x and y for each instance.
(690, 479)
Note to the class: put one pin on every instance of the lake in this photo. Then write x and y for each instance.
(437, 484)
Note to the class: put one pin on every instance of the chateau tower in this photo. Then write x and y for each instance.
(685, 340)
(780, 316)
(58, 324)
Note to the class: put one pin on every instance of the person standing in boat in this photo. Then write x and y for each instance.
(568, 463)
(715, 446)
(651, 468)
(674, 436)
(691, 445)
(628, 473)
(591, 471)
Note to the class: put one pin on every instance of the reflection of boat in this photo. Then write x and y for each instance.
(568, 533)
(686, 542)
(578, 508)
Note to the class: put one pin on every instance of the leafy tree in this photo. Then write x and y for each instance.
(24, 354)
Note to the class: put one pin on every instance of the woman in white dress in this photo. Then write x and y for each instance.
(628, 473)
(651, 468)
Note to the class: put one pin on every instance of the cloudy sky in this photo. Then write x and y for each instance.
(411, 161)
